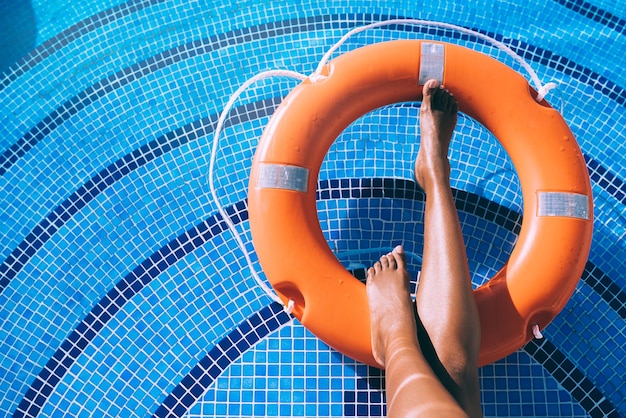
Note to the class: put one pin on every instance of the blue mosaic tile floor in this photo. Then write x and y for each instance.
(123, 292)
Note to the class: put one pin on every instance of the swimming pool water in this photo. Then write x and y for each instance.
(124, 293)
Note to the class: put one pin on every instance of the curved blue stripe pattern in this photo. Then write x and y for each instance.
(70, 35)
(128, 75)
(596, 14)
(195, 383)
(108, 307)
(90, 190)
(270, 318)
(132, 6)
(572, 379)
(605, 179)
(72, 106)
(595, 383)
(228, 349)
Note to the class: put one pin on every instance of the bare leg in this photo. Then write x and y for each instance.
(445, 302)
(413, 390)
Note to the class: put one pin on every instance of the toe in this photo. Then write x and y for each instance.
(384, 262)
(440, 98)
(391, 259)
(431, 85)
(455, 107)
(451, 102)
(430, 88)
(399, 257)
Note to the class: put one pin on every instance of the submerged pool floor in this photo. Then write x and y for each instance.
(124, 293)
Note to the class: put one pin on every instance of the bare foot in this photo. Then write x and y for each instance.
(390, 305)
(438, 116)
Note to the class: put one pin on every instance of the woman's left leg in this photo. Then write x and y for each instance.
(413, 390)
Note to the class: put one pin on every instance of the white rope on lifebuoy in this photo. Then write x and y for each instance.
(542, 90)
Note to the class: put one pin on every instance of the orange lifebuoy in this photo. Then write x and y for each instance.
(554, 241)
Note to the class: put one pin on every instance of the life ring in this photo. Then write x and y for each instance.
(555, 237)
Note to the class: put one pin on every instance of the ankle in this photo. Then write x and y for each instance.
(434, 179)
(401, 343)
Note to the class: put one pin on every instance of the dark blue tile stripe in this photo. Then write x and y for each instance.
(130, 285)
(363, 402)
(85, 26)
(123, 77)
(567, 66)
(598, 173)
(370, 397)
(470, 203)
(147, 66)
(25, 250)
(583, 390)
(109, 305)
(230, 348)
(596, 14)
(606, 179)
(407, 189)
(72, 33)
(606, 288)
(572, 379)
(105, 178)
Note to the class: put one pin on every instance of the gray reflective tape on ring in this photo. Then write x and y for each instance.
(431, 62)
(280, 176)
(569, 205)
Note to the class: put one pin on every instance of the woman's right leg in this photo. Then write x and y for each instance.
(445, 300)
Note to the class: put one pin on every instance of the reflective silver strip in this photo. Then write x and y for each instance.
(569, 205)
(431, 62)
(287, 177)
